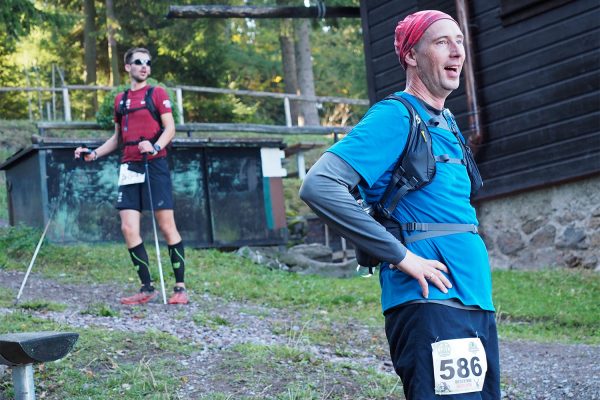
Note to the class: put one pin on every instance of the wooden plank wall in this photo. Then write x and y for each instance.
(538, 86)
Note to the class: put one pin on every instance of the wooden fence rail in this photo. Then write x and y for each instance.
(286, 97)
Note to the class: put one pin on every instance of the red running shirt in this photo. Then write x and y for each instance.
(140, 123)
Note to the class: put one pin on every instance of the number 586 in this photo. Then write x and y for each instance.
(462, 369)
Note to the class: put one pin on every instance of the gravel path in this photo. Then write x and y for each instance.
(536, 371)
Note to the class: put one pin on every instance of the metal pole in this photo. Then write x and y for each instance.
(66, 104)
(22, 376)
(179, 93)
(39, 245)
(288, 113)
(160, 272)
(53, 92)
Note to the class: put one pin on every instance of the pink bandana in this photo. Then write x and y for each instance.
(411, 28)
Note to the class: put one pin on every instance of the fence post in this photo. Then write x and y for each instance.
(288, 114)
(66, 104)
(301, 165)
(179, 94)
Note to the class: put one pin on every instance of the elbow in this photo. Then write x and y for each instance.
(304, 191)
(307, 191)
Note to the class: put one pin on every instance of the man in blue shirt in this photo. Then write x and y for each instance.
(436, 287)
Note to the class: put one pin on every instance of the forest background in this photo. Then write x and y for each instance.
(83, 41)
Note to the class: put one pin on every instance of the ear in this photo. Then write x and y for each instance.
(410, 58)
(127, 67)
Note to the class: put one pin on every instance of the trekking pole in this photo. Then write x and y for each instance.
(160, 272)
(39, 245)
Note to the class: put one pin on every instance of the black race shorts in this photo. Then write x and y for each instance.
(136, 197)
(412, 328)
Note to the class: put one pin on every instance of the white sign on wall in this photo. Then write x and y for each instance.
(271, 162)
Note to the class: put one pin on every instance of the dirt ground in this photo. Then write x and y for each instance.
(529, 370)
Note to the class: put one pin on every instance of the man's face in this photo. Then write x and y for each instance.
(440, 55)
(139, 67)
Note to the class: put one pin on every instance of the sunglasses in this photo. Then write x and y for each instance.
(138, 61)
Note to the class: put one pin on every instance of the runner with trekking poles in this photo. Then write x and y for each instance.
(144, 126)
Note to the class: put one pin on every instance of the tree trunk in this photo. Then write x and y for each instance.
(89, 45)
(306, 82)
(111, 24)
(288, 59)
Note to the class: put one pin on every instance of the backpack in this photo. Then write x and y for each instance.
(415, 169)
(148, 105)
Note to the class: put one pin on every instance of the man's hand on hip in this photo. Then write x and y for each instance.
(424, 270)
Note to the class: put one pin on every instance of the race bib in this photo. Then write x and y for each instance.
(128, 177)
(459, 366)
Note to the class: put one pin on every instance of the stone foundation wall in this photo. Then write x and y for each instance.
(557, 226)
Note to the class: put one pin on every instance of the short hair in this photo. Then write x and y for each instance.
(129, 53)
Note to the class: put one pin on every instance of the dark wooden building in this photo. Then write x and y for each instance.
(537, 69)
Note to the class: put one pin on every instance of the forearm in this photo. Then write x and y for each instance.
(108, 147)
(326, 190)
(168, 132)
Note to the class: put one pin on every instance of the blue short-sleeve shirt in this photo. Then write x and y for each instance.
(372, 149)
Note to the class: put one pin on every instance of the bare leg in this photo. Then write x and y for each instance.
(130, 226)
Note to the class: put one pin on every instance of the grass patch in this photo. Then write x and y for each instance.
(313, 377)
(41, 305)
(548, 305)
(103, 364)
(544, 305)
(101, 310)
(210, 320)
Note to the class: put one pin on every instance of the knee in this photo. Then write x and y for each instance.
(128, 229)
(169, 231)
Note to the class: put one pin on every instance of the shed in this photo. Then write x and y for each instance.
(227, 192)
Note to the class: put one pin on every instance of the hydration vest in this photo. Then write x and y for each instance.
(416, 166)
(123, 111)
(415, 169)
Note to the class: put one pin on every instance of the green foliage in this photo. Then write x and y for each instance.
(228, 53)
(105, 114)
(17, 17)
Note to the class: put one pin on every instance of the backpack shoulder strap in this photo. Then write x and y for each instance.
(398, 172)
(151, 106)
(122, 109)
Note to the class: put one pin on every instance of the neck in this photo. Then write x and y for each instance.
(136, 85)
(416, 87)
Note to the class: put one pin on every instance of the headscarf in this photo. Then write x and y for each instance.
(411, 28)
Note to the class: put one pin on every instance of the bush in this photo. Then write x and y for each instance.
(105, 114)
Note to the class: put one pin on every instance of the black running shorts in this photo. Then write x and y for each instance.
(136, 196)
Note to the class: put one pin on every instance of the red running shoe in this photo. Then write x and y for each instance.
(179, 296)
(141, 297)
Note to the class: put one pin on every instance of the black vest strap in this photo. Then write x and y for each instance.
(445, 158)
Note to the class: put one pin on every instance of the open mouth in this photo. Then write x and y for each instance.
(451, 68)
